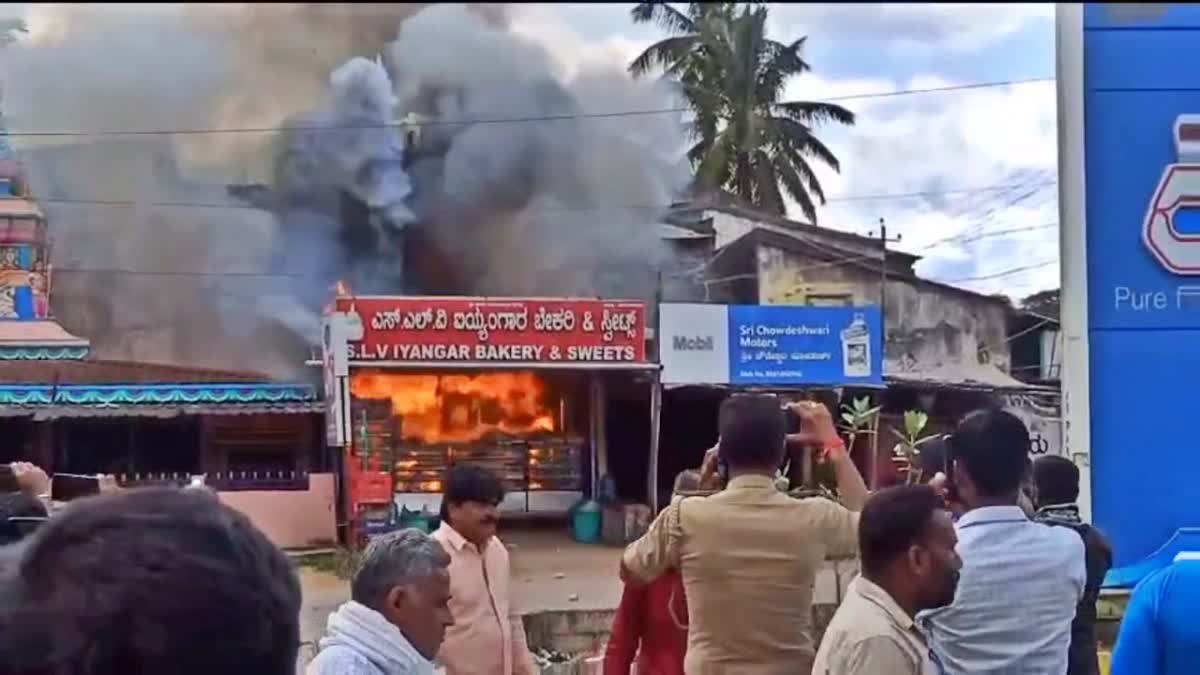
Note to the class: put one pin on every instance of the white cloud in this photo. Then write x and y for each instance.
(943, 148)
(900, 25)
(947, 144)
(558, 29)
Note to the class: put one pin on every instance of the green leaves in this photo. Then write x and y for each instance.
(908, 450)
(914, 422)
(748, 141)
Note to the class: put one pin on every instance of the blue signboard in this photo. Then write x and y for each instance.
(782, 345)
(1141, 161)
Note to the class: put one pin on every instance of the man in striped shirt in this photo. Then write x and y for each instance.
(1020, 580)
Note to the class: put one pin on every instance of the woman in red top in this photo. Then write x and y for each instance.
(653, 618)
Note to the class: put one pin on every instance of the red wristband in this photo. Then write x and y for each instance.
(834, 444)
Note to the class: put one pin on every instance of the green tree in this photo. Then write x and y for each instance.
(748, 141)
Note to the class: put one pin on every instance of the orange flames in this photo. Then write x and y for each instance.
(461, 408)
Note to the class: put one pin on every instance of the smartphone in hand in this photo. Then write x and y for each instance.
(67, 486)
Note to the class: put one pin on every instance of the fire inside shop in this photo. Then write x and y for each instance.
(416, 385)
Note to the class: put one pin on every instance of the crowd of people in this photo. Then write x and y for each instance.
(959, 574)
(985, 568)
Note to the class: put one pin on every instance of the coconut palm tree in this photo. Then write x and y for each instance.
(747, 140)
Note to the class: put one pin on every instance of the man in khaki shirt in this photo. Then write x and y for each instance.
(906, 541)
(749, 554)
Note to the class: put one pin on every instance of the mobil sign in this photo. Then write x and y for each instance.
(1129, 137)
(770, 345)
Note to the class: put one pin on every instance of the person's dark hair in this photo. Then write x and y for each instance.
(149, 581)
(993, 446)
(471, 483)
(18, 505)
(1056, 480)
(933, 458)
(395, 559)
(752, 429)
(893, 520)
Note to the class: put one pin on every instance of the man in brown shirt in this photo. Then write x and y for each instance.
(749, 555)
(906, 541)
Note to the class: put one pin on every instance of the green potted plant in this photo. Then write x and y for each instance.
(907, 452)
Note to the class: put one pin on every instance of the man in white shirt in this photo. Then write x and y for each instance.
(1021, 580)
(397, 616)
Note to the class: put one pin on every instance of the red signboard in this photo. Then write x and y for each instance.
(500, 330)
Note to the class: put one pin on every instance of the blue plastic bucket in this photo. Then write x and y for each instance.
(586, 523)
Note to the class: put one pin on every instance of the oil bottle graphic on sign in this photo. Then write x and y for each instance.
(856, 348)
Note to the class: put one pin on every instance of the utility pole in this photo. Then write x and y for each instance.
(883, 242)
(872, 465)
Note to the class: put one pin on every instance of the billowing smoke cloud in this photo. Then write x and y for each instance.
(545, 205)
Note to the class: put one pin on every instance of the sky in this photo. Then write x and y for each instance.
(967, 178)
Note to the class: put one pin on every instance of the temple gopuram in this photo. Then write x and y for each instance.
(257, 442)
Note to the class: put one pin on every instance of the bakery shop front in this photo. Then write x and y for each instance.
(520, 385)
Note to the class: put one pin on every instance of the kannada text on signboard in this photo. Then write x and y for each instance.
(410, 329)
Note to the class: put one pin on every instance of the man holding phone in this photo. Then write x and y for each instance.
(1021, 581)
(749, 554)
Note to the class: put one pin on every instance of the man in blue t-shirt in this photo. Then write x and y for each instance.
(1159, 633)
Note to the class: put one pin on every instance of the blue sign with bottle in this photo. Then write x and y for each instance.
(784, 344)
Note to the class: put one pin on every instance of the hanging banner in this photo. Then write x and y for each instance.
(437, 330)
(771, 345)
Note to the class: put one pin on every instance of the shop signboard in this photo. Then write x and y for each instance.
(474, 332)
(1129, 140)
(776, 345)
(1041, 415)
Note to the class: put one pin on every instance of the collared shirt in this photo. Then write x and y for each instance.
(1016, 597)
(487, 637)
(871, 635)
(1159, 632)
(749, 556)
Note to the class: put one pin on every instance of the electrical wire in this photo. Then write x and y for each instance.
(1003, 273)
(645, 207)
(495, 120)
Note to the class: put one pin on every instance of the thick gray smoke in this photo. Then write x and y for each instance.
(476, 205)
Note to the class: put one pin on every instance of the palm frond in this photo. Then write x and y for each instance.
(800, 163)
(780, 63)
(766, 178)
(799, 137)
(716, 165)
(663, 14)
(795, 187)
(815, 112)
(668, 54)
(747, 141)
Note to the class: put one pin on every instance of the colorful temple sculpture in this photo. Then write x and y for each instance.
(258, 442)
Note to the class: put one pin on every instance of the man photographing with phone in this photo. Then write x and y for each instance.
(749, 554)
(808, 425)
